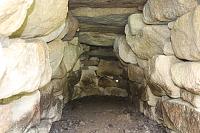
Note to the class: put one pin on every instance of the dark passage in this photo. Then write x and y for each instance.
(103, 114)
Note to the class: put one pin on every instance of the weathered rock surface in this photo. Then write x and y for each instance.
(19, 115)
(160, 74)
(72, 25)
(72, 52)
(181, 116)
(151, 98)
(124, 51)
(186, 75)
(56, 53)
(13, 14)
(43, 17)
(135, 73)
(149, 42)
(106, 3)
(190, 98)
(135, 23)
(27, 68)
(185, 36)
(97, 39)
(162, 11)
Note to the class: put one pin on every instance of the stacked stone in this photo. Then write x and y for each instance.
(35, 63)
(164, 43)
(101, 21)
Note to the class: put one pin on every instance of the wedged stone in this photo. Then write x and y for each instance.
(151, 98)
(20, 115)
(162, 11)
(56, 53)
(124, 51)
(186, 75)
(43, 17)
(160, 74)
(135, 23)
(135, 73)
(84, 27)
(150, 41)
(190, 98)
(104, 16)
(71, 27)
(181, 116)
(54, 34)
(72, 52)
(13, 14)
(185, 36)
(109, 68)
(106, 3)
(142, 63)
(27, 68)
(168, 50)
(51, 104)
(97, 39)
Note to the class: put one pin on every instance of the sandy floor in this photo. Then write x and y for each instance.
(103, 115)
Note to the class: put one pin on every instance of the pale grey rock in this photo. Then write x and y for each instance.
(186, 75)
(185, 36)
(124, 51)
(13, 14)
(150, 41)
(135, 23)
(43, 17)
(19, 115)
(190, 98)
(27, 68)
(164, 11)
(160, 74)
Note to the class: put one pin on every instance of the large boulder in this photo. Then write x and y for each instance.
(160, 74)
(163, 11)
(124, 51)
(27, 68)
(181, 116)
(150, 41)
(185, 36)
(43, 17)
(13, 14)
(19, 115)
(186, 75)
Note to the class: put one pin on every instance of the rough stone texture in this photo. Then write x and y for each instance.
(27, 68)
(13, 14)
(168, 50)
(97, 39)
(71, 54)
(19, 115)
(43, 17)
(106, 3)
(185, 36)
(186, 75)
(160, 74)
(135, 23)
(181, 116)
(191, 98)
(135, 74)
(150, 41)
(162, 11)
(151, 98)
(124, 51)
(72, 25)
(56, 53)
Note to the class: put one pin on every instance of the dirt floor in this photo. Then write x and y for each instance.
(103, 115)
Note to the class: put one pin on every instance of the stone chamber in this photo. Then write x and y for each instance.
(53, 52)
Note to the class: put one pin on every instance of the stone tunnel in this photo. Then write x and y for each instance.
(61, 58)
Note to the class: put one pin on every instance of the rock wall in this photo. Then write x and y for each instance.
(99, 47)
(163, 43)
